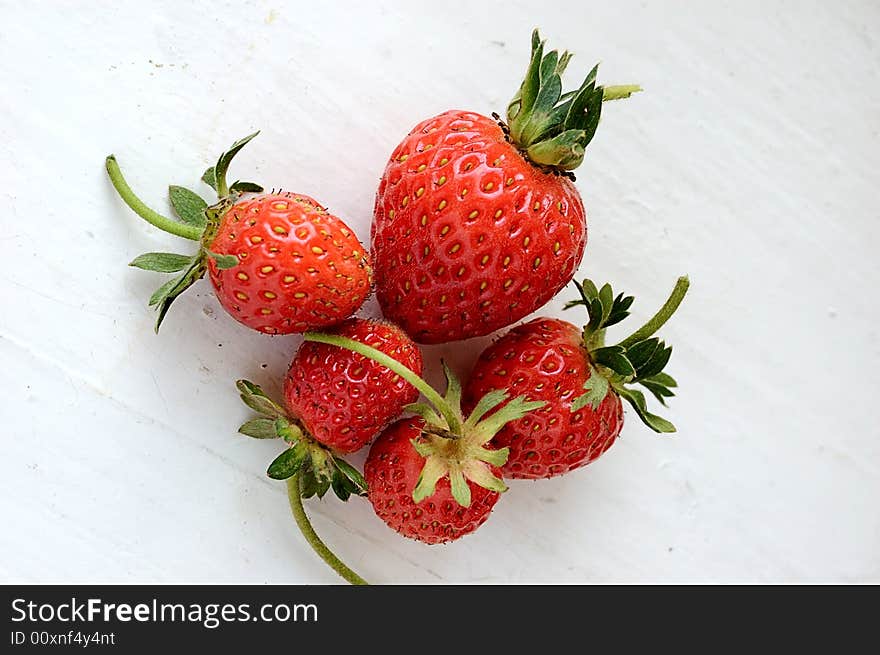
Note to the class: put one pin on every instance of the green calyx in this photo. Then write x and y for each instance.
(454, 445)
(317, 467)
(461, 453)
(554, 128)
(195, 220)
(637, 360)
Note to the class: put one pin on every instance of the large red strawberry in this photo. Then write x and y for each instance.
(581, 380)
(279, 262)
(477, 223)
(344, 399)
(436, 478)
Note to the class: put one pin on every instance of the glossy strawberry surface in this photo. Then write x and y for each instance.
(468, 236)
(299, 268)
(545, 360)
(344, 399)
(392, 471)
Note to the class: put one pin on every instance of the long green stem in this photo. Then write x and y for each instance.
(305, 526)
(619, 91)
(663, 315)
(378, 356)
(137, 205)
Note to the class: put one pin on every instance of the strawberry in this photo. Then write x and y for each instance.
(299, 266)
(477, 223)
(392, 472)
(279, 262)
(435, 478)
(343, 399)
(335, 401)
(580, 379)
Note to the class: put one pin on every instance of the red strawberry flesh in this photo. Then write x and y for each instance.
(545, 360)
(344, 399)
(300, 267)
(392, 471)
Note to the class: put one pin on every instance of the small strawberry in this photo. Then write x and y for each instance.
(435, 478)
(477, 223)
(336, 401)
(279, 262)
(344, 399)
(581, 380)
(393, 471)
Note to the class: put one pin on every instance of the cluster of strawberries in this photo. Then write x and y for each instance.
(477, 223)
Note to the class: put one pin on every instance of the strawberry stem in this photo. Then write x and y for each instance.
(305, 526)
(192, 232)
(449, 413)
(663, 315)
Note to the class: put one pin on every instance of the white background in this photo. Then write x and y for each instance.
(750, 162)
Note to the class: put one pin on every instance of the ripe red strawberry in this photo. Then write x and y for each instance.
(433, 478)
(546, 359)
(344, 399)
(580, 379)
(335, 400)
(477, 223)
(280, 263)
(392, 472)
(299, 267)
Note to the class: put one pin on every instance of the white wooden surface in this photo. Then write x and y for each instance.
(750, 162)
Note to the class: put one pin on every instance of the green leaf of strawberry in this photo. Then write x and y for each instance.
(188, 205)
(660, 386)
(356, 480)
(603, 309)
(259, 428)
(161, 262)
(614, 357)
(340, 487)
(460, 489)
(245, 187)
(658, 354)
(223, 262)
(426, 412)
(596, 387)
(160, 293)
(288, 463)
(190, 276)
(209, 177)
(637, 399)
(319, 467)
(254, 397)
(223, 164)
